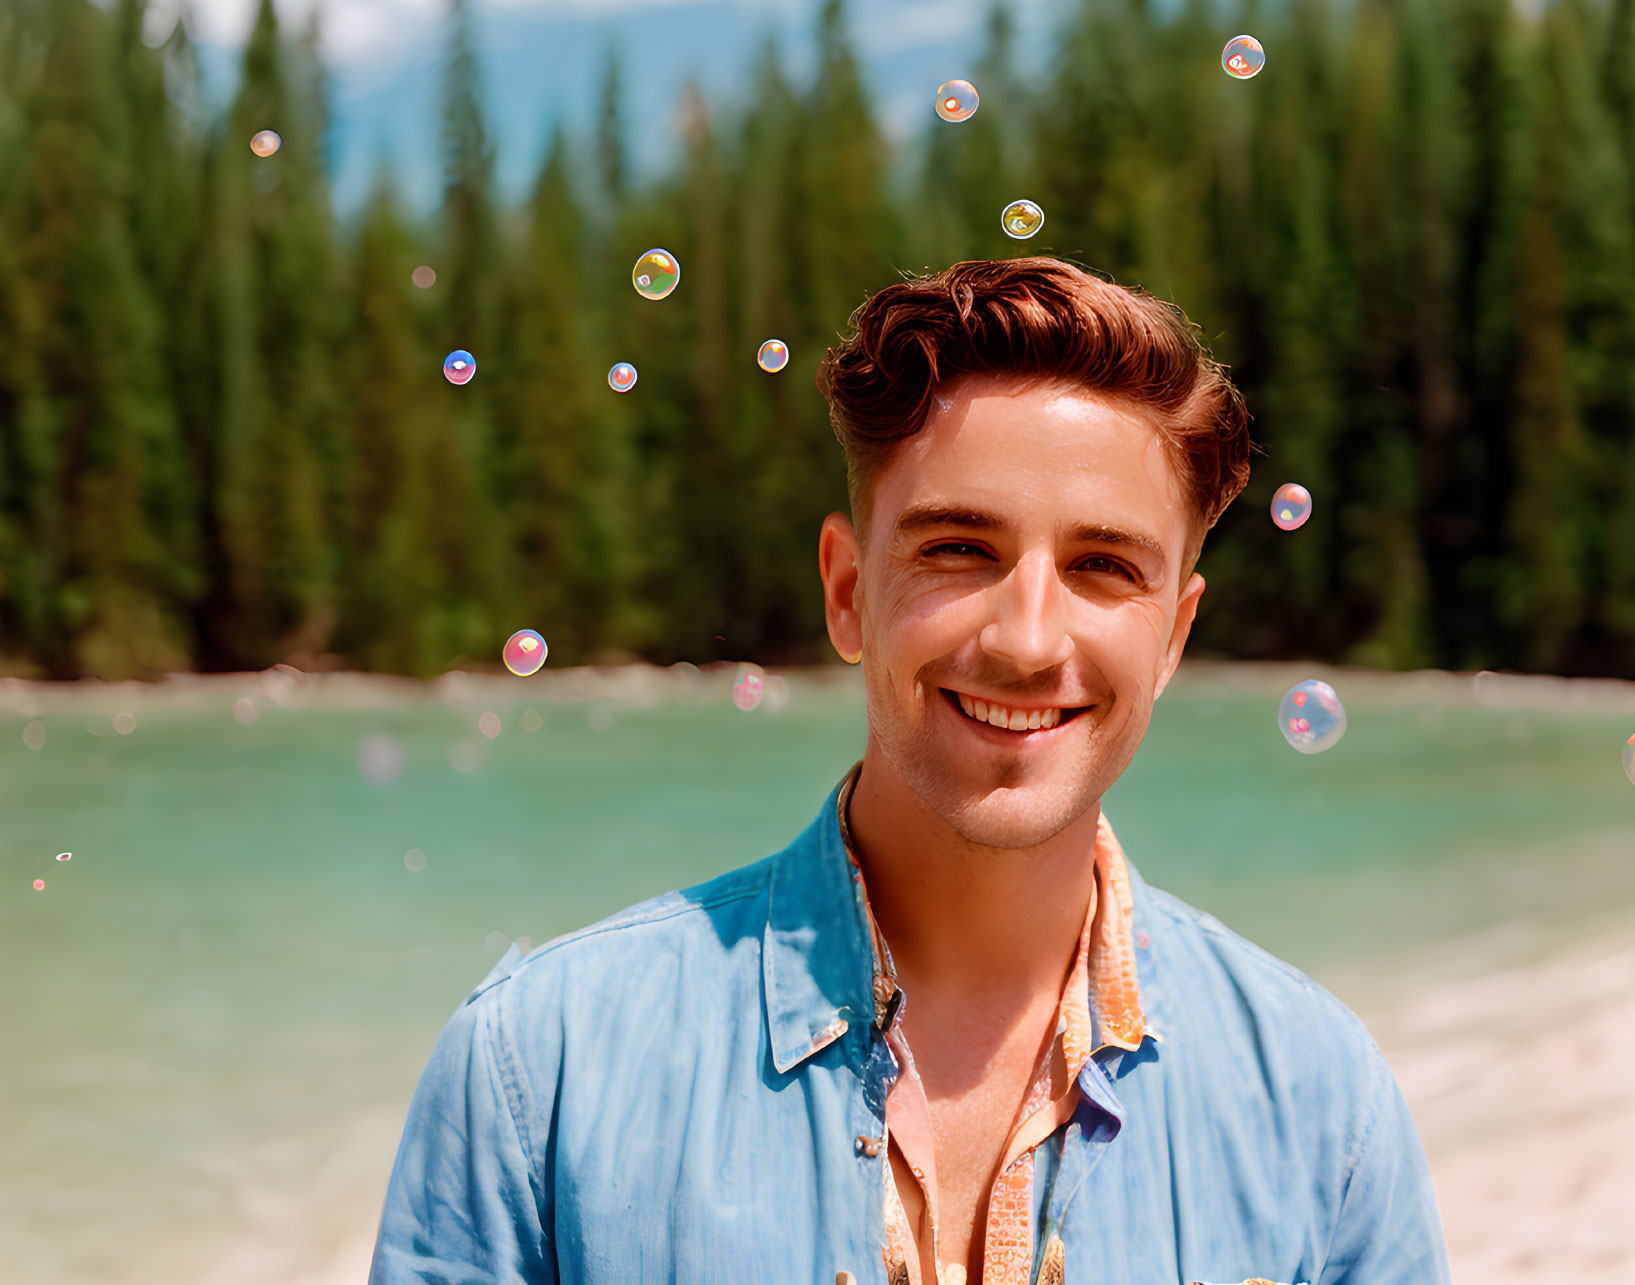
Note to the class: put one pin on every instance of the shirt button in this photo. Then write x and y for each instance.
(917, 1172)
(867, 1145)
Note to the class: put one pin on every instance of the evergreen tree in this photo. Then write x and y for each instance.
(474, 558)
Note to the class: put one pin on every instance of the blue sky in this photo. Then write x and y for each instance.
(543, 59)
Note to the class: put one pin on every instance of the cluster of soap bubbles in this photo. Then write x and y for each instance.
(39, 884)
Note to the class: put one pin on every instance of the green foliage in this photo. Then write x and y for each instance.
(225, 440)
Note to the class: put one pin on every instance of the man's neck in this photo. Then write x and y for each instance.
(991, 928)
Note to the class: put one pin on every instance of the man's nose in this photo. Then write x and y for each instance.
(1028, 626)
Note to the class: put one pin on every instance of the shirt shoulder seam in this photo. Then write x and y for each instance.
(657, 915)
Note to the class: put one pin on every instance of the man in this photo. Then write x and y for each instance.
(949, 1034)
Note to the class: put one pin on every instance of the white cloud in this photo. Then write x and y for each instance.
(363, 32)
(888, 29)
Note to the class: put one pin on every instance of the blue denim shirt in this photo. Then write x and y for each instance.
(693, 1090)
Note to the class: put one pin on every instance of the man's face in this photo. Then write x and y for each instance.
(996, 571)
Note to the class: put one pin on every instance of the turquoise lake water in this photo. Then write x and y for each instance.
(237, 962)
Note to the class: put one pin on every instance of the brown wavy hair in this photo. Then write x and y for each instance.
(1036, 318)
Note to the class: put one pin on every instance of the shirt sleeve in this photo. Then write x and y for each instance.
(1389, 1230)
(467, 1202)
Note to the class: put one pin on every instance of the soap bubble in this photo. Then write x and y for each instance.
(39, 885)
(1311, 717)
(414, 860)
(424, 277)
(525, 652)
(65, 856)
(1291, 506)
(1629, 759)
(266, 143)
(489, 724)
(380, 759)
(1243, 57)
(773, 356)
(244, 711)
(656, 274)
(746, 691)
(531, 721)
(622, 378)
(125, 723)
(957, 100)
(459, 366)
(34, 735)
(1021, 219)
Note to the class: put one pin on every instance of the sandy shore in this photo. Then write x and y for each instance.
(1522, 1082)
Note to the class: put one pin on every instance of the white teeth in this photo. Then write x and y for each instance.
(1013, 720)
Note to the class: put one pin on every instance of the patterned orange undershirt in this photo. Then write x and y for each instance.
(1105, 963)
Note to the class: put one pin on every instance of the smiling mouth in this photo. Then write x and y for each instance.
(1005, 719)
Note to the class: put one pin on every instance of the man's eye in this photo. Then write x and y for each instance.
(1116, 566)
(952, 547)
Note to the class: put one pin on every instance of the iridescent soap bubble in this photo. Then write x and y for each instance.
(656, 274)
(525, 652)
(424, 277)
(489, 724)
(414, 860)
(125, 723)
(1021, 219)
(266, 143)
(459, 366)
(1311, 717)
(65, 856)
(773, 356)
(244, 711)
(622, 378)
(381, 759)
(531, 721)
(39, 885)
(34, 735)
(957, 100)
(746, 691)
(1629, 759)
(1243, 57)
(1291, 506)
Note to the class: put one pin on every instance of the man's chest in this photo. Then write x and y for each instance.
(970, 1120)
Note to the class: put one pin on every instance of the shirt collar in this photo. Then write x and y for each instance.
(826, 965)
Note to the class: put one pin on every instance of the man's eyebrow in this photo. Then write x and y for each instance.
(919, 518)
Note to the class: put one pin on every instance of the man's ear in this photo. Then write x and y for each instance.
(839, 558)
(1186, 611)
